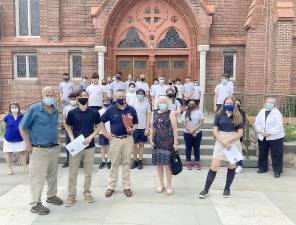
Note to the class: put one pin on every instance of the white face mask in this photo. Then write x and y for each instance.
(73, 102)
(161, 81)
(14, 110)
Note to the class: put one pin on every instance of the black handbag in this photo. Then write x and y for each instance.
(175, 163)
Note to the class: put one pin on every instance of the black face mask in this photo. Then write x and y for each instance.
(103, 83)
(170, 83)
(142, 79)
(171, 95)
(83, 101)
(66, 78)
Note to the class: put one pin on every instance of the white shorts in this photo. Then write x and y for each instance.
(13, 146)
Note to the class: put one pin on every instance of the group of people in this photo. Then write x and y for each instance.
(125, 115)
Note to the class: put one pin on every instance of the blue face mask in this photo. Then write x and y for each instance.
(163, 107)
(224, 81)
(107, 105)
(228, 107)
(269, 106)
(140, 97)
(48, 101)
(120, 101)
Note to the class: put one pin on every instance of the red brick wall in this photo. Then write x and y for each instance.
(7, 18)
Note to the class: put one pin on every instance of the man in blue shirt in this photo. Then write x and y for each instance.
(121, 140)
(82, 121)
(39, 131)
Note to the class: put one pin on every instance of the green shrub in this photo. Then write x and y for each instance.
(290, 131)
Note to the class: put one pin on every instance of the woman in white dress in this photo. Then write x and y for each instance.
(13, 142)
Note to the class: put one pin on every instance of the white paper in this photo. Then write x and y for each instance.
(233, 155)
(76, 146)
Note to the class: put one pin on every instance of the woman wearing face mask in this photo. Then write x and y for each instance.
(174, 104)
(131, 93)
(270, 132)
(13, 142)
(193, 121)
(228, 129)
(164, 140)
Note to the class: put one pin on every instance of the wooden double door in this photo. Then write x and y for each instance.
(171, 67)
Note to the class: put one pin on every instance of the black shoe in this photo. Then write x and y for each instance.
(134, 164)
(140, 165)
(226, 193)
(261, 171)
(81, 165)
(40, 209)
(109, 165)
(54, 200)
(203, 194)
(276, 175)
(102, 165)
(65, 165)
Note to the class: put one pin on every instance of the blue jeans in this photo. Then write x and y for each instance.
(192, 142)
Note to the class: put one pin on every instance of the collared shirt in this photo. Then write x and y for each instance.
(66, 88)
(41, 125)
(223, 92)
(196, 117)
(83, 85)
(188, 88)
(96, 95)
(142, 108)
(114, 115)
(12, 133)
(196, 94)
(142, 85)
(83, 122)
(159, 90)
(180, 88)
(68, 108)
(226, 124)
(117, 85)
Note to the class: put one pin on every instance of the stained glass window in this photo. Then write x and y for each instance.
(132, 40)
(76, 65)
(230, 64)
(26, 66)
(172, 40)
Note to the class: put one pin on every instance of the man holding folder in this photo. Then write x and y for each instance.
(123, 121)
(82, 121)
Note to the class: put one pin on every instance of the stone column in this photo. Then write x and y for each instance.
(202, 71)
(101, 61)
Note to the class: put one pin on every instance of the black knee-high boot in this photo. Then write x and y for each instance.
(210, 178)
(230, 178)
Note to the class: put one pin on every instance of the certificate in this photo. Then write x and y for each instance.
(233, 155)
(76, 146)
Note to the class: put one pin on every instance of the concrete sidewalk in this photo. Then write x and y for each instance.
(256, 200)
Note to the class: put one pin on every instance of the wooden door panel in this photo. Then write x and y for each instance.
(179, 67)
(162, 67)
(141, 66)
(125, 66)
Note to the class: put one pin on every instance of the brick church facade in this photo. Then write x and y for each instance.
(252, 40)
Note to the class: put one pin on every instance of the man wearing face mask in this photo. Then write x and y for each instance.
(66, 87)
(131, 93)
(180, 92)
(121, 141)
(117, 84)
(143, 110)
(141, 84)
(82, 121)
(159, 90)
(95, 92)
(39, 129)
(129, 80)
(222, 91)
(197, 93)
(188, 90)
(84, 84)
(270, 132)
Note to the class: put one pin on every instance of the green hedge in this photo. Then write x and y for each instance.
(290, 131)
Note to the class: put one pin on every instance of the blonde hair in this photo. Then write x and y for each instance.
(237, 117)
(161, 98)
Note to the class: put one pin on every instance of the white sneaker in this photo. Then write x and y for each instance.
(238, 169)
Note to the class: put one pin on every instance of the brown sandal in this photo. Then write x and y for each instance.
(109, 193)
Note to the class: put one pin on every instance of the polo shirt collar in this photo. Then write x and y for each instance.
(41, 108)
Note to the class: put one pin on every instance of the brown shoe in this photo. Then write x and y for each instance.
(109, 193)
(128, 192)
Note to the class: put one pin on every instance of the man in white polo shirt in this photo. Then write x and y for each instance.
(141, 84)
(95, 92)
(117, 84)
(222, 91)
(197, 93)
(159, 89)
(188, 90)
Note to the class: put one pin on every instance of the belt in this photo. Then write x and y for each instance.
(46, 146)
(120, 137)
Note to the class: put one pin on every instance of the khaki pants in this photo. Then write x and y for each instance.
(74, 162)
(43, 166)
(120, 151)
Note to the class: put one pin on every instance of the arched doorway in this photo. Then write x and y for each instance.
(152, 37)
